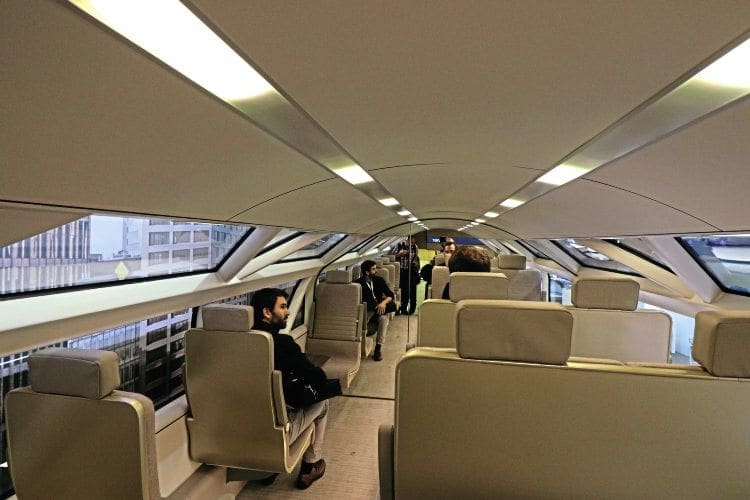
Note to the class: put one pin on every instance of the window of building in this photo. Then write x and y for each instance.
(159, 238)
(158, 258)
(200, 236)
(181, 237)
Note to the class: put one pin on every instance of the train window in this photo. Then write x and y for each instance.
(589, 257)
(151, 356)
(281, 237)
(559, 289)
(98, 249)
(726, 258)
(641, 248)
(364, 244)
(316, 249)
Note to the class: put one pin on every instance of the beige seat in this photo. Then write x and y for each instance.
(508, 419)
(72, 435)
(337, 329)
(390, 279)
(523, 284)
(608, 326)
(440, 277)
(436, 326)
(239, 415)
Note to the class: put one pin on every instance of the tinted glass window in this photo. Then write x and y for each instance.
(589, 257)
(103, 248)
(317, 248)
(726, 258)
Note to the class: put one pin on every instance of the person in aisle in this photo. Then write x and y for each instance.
(407, 254)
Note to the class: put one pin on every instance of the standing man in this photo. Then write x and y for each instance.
(408, 257)
(270, 313)
(379, 300)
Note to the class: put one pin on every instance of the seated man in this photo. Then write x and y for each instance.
(270, 315)
(380, 302)
(468, 259)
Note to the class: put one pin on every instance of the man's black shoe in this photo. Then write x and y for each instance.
(309, 473)
(268, 481)
(377, 355)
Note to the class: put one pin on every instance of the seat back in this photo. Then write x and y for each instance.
(440, 277)
(238, 412)
(511, 424)
(72, 435)
(337, 308)
(436, 326)
(337, 326)
(608, 326)
(524, 284)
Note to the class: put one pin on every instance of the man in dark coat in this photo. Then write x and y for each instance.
(379, 299)
(270, 313)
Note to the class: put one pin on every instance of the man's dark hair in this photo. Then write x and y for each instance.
(366, 266)
(265, 298)
(469, 259)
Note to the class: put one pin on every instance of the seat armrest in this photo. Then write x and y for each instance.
(385, 461)
(279, 404)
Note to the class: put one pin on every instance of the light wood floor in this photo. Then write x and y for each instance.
(350, 447)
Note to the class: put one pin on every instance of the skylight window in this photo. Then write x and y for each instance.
(725, 257)
(587, 256)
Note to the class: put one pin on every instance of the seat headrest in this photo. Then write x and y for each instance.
(721, 342)
(514, 330)
(86, 373)
(227, 317)
(440, 259)
(478, 286)
(605, 293)
(511, 261)
(337, 276)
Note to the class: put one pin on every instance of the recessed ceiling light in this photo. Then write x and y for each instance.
(562, 174)
(389, 202)
(512, 203)
(730, 70)
(491, 215)
(403, 212)
(479, 220)
(172, 33)
(412, 219)
(353, 174)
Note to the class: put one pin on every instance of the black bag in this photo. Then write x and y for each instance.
(300, 393)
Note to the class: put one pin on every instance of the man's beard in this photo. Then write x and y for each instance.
(278, 321)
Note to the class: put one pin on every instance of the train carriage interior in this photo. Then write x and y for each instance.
(163, 158)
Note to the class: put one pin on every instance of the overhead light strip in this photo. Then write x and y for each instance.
(175, 35)
(723, 81)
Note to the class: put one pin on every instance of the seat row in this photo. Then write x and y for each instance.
(606, 323)
(71, 434)
(505, 414)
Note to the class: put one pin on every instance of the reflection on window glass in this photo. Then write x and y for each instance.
(103, 248)
(364, 243)
(641, 248)
(589, 257)
(726, 258)
(560, 289)
(317, 248)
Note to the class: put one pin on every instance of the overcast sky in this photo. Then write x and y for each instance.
(106, 235)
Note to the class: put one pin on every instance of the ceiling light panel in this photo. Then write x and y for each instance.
(353, 174)
(512, 203)
(173, 34)
(718, 84)
(388, 202)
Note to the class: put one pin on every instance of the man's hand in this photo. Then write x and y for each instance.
(380, 308)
